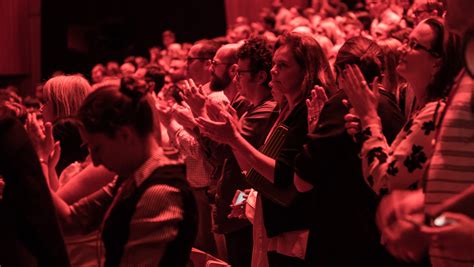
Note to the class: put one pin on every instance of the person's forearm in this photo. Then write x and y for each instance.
(62, 210)
(53, 178)
(250, 157)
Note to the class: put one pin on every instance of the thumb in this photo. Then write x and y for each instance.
(346, 103)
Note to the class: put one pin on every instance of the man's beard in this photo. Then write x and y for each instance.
(219, 83)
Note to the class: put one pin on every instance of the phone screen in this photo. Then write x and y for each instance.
(239, 197)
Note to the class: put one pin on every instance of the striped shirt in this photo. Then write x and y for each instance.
(154, 222)
(451, 169)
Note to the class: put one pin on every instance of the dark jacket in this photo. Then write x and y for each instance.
(29, 229)
(343, 231)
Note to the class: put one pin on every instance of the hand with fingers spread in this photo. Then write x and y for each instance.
(222, 132)
(363, 100)
(455, 239)
(194, 96)
(315, 104)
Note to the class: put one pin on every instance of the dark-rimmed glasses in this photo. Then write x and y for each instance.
(413, 44)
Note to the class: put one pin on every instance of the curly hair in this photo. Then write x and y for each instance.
(258, 51)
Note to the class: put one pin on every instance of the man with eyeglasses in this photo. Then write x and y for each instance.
(199, 61)
(252, 81)
(198, 169)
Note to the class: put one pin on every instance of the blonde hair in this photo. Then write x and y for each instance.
(66, 94)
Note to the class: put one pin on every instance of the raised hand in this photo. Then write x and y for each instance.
(363, 100)
(42, 139)
(315, 104)
(194, 97)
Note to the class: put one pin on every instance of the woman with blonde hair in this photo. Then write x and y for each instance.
(63, 96)
(69, 160)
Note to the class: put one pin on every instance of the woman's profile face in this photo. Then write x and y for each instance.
(47, 110)
(417, 60)
(104, 150)
(287, 75)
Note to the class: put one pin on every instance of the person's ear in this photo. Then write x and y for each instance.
(233, 70)
(261, 77)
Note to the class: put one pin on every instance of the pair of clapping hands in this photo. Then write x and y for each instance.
(41, 135)
(362, 102)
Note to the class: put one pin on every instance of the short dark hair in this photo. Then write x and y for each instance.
(257, 50)
(156, 74)
(106, 110)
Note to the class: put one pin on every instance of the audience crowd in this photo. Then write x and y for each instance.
(340, 134)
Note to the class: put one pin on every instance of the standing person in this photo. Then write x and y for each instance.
(147, 215)
(198, 168)
(299, 64)
(401, 164)
(450, 172)
(343, 230)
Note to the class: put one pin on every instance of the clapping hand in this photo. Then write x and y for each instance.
(363, 100)
(42, 138)
(194, 96)
(315, 104)
(224, 132)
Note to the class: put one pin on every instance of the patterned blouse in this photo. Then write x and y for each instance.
(402, 164)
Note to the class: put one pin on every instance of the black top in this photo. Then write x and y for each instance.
(279, 219)
(343, 231)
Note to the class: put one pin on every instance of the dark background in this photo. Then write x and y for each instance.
(76, 35)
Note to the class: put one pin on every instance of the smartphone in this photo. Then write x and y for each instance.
(443, 221)
(239, 197)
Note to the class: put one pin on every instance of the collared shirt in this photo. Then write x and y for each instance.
(154, 222)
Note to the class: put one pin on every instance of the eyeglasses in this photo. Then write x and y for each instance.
(414, 45)
(189, 59)
(239, 72)
(215, 63)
